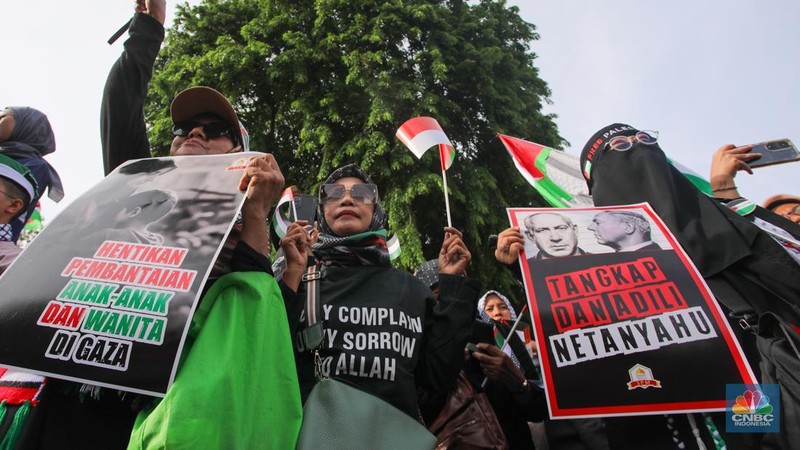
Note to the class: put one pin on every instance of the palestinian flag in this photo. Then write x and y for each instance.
(394, 247)
(557, 175)
(34, 223)
(447, 154)
(554, 174)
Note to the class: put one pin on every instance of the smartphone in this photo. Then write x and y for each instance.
(778, 151)
(306, 206)
(482, 332)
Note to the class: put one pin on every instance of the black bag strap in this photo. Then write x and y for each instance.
(313, 307)
(314, 334)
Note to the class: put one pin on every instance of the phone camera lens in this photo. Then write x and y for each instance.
(777, 145)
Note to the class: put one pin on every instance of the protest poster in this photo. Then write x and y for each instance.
(105, 293)
(624, 323)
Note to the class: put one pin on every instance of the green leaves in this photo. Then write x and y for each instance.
(328, 82)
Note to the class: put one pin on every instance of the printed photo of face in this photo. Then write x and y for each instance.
(553, 234)
(608, 230)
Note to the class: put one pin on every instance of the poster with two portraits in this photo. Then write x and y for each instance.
(624, 322)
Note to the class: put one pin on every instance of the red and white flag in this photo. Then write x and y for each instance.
(421, 133)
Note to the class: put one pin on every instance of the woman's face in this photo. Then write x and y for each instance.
(496, 308)
(348, 214)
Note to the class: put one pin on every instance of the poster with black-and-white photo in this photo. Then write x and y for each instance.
(624, 322)
(104, 295)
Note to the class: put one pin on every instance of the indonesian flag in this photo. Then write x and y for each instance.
(421, 133)
(282, 219)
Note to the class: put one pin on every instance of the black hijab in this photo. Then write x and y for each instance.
(713, 236)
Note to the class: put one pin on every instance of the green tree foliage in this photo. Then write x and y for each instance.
(323, 83)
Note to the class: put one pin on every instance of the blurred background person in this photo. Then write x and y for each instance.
(26, 136)
(784, 205)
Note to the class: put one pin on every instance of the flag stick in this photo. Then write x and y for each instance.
(119, 32)
(444, 179)
(294, 208)
(508, 338)
(446, 198)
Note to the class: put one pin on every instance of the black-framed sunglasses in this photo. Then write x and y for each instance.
(364, 193)
(625, 143)
(211, 130)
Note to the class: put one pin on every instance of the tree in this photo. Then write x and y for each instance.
(322, 83)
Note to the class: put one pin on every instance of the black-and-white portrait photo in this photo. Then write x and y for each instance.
(554, 233)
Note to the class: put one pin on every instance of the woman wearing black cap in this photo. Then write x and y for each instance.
(385, 333)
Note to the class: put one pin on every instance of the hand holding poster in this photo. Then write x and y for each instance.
(625, 324)
(104, 295)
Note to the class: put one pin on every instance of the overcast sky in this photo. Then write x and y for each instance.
(703, 74)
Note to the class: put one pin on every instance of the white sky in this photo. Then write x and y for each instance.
(703, 74)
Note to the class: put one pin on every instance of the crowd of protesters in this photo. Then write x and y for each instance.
(341, 261)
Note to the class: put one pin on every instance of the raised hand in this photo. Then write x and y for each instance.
(454, 255)
(510, 243)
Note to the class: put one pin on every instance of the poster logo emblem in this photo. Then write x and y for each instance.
(239, 164)
(642, 377)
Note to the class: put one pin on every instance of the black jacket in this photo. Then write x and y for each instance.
(385, 333)
(122, 127)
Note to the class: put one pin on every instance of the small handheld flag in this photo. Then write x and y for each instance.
(281, 221)
(421, 133)
(394, 247)
(35, 223)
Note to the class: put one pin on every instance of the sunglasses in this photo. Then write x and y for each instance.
(364, 193)
(793, 212)
(210, 130)
(625, 143)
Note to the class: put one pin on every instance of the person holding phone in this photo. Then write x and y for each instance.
(511, 373)
(748, 272)
(726, 162)
(779, 215)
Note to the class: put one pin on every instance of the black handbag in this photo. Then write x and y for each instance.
(337, 415)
